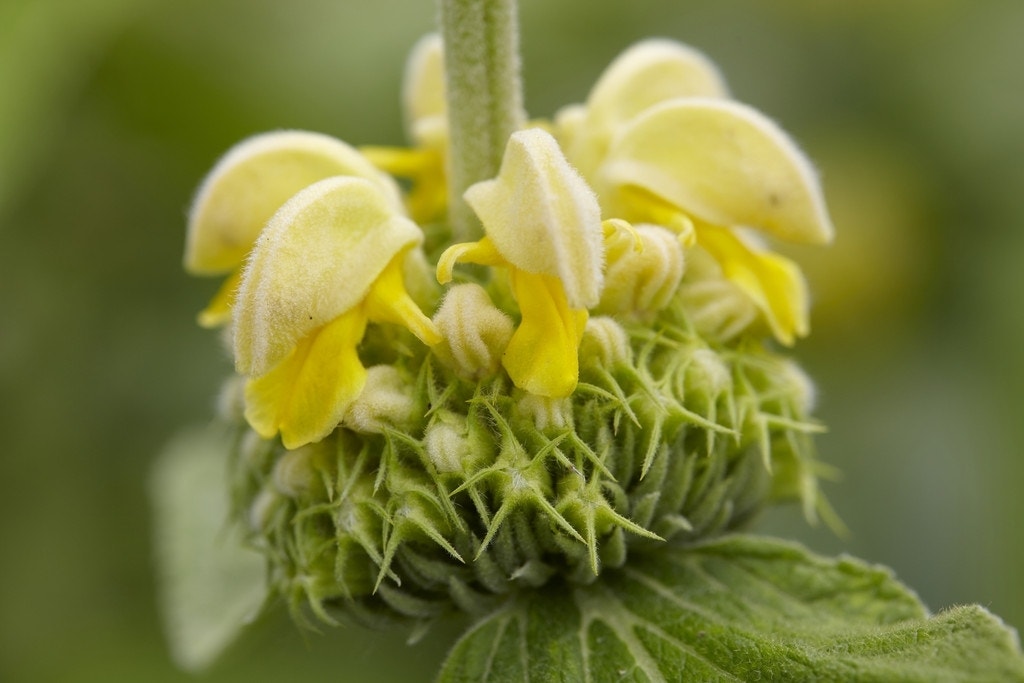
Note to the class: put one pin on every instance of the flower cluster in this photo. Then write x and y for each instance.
(424, 424)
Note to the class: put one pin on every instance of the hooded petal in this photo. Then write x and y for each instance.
(253, 180)
(647, 73)
(317, 259)
(542, 217)
(423, 91)
(650, 72)
(723, 163)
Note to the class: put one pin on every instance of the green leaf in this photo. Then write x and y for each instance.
(211, 586)
(737, 609)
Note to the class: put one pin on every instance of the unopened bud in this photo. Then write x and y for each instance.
(605, 343)
(641, 281)
(299, 471)
(386, 401)
(475, 332)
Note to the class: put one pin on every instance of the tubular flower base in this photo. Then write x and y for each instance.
(422, 426)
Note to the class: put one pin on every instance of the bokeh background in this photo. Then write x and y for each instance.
(112, 110)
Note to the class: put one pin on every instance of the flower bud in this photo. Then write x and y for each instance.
(707, 373)
(263, 509)
(717, 308)
(386, 401)
(641, 281)
(231, 400)
(475, 333)
(605, 343)
(800, 387)
(447, 443)
(546, 413)
(300, 471)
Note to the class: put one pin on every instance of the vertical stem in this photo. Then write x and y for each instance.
(485, 101)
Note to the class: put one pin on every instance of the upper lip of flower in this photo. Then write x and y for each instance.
(247, 186)
(328, 261)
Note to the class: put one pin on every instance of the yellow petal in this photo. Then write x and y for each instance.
(542, 217)
(389, 302)
(425, 168)
(423, 90)
(218, 312)
(723, 163)
(253, 180)
(482, 252)
(306, 395)
(317, 259)
(772, 282)
(647, 73)
(542, 357)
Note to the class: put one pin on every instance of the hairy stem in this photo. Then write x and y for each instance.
(485, 101)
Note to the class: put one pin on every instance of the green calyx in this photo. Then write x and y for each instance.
(468, 491)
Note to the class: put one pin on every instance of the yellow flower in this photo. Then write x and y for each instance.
(246, 187)
(650, 72)
(423, 99)
(661, 145)
(327, 263)
(543, 224)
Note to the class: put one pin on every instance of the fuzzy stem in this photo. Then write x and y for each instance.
(485, 101)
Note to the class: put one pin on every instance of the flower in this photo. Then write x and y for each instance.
(543, 224)
(661, 145)
(327, 263)
(426, 122)
(251, 182)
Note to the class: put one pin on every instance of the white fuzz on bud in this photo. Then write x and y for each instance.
(475, 332)
(605, 343)
(386, 401)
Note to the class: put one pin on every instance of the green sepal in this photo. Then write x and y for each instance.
(736, 609)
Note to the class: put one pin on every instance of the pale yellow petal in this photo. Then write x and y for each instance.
(389, 302)
(424, 167)
(317, 258)
(305, 396)
(253, 180)
(423, 90)
(542, 357)
(774, 283)
(543, 217)
(647, 73)
(218, 311)
(723, 163)
(481, 252)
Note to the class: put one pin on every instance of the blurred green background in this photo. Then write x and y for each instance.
(112, 110)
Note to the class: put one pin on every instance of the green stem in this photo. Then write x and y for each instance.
(485, 101)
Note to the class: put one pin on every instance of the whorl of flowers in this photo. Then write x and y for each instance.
(422, 424)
